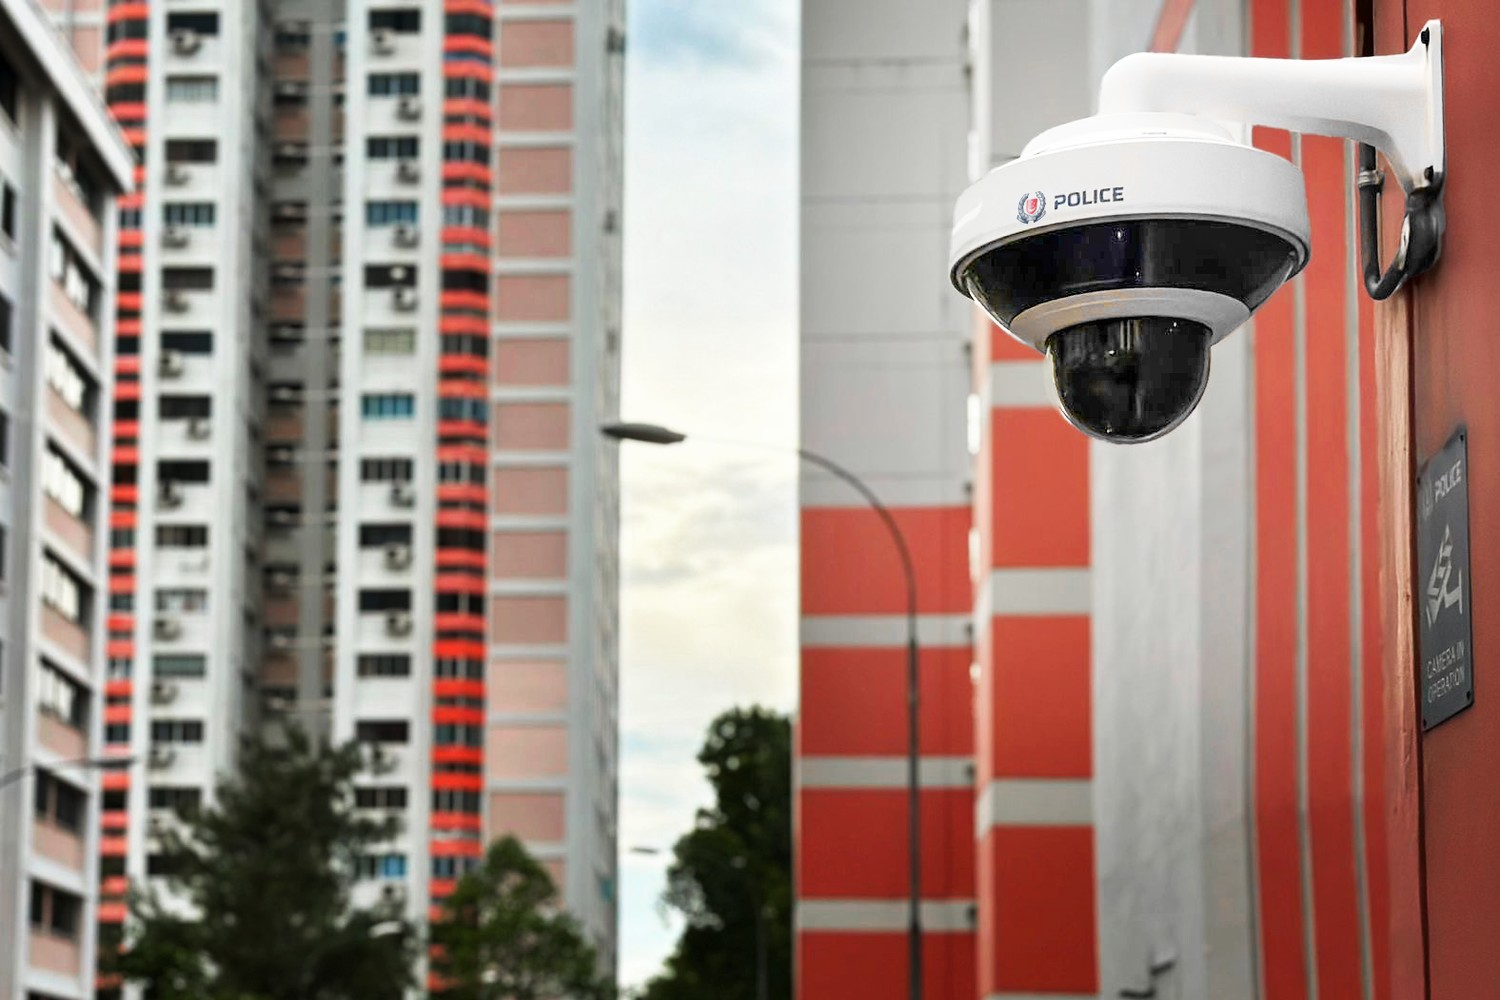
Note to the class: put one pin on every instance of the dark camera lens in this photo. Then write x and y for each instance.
(1130, 380)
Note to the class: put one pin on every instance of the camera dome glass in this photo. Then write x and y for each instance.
(1128, 380)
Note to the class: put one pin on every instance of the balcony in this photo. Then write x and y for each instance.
(80, 220)
(68, 636)
(56, 844)
(284, 426)
(74, 320)
(70, 425)
(293, 124)
(73, 532)
(288, 303)
(283, 485)
(52, 953)
(60, 738)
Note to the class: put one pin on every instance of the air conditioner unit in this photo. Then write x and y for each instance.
(281, 455)
(282, 517)
(185, 41)
(383, 41)
(163, 693)
(409, 107)
(176, 174)
(171, 364)
(403, 495)
(397, 556)
(398, 623)
(291, 88)
(406, 235)
(282, 640)
(393, 892)
(175, 300)
(168, 493)
(285, 394)
(404, 299)
(161, 756)
(166, 627)
(198, 428)
(290, 150)
(176, 237)
(281, 580)
(408, 171)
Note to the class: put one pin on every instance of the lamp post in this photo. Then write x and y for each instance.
(85, 763)
(656, 434)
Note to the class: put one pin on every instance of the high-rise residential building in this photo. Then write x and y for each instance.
(369, 322)
(62, 165)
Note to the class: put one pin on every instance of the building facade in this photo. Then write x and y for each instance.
(63, 164)
(369, 321)
(1198, 762)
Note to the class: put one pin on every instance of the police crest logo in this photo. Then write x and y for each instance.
(1031, 207)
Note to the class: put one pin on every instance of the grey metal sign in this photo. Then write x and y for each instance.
(1445, 606)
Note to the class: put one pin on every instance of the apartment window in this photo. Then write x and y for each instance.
(182, 600)
(183, 472)
(68, 270)
(468, 24)
(121, 602)
(184, 407)
(180, 665)
(293, 34)
(391, 147)
(450, 668)
(381, 866)
(177, 731)
(67, 377)
(390, 213)
(192, 89)
(386, 406)
(375, 535)
(460, 604)
(381, 731)
(118, 669)
(380, 797)
(4, 439)
(10, 88)
(181, 536)
(64, 484)
(192, 151)
(59, 803)
(61, 589)
(390, 341)
(188, 213)
(401, 20)
(462, 409)
(390, 276)
(55, 911)
(203, 24)
(385, 470)
(384, 665)
(446, 801)
(131, 218)
(188, 341)
(449, 735)
(117, 732)
(8, 212)
(461, 472)
(466, 216)
(7, 322)
(472, 88)
(469, 152)
(61, 696)
(189, 279)
(394, 84)
(385, 600)
(175, 798)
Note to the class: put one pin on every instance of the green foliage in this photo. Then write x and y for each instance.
(731, 876)
(504, 936)
(266, 875)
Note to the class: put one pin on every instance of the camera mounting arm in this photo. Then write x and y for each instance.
(1391, 103)
(1394, 103)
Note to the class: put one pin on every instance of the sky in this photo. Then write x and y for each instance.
(708, 530)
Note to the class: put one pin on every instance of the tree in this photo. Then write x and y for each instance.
(265, 875)
(731, 877)
(504, 936)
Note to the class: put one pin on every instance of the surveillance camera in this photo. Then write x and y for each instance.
(1124, 247)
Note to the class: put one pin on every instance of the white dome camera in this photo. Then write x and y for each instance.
(1124, 246)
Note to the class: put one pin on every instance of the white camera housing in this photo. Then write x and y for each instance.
(1125, 245)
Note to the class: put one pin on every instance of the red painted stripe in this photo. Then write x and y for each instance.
(1278, 855)
(853, 702)
(456, 821)
(1037, 907)
(840, 965)
(128, 12)
(832, 819)
(1030, 728)
(113, 781)
(1039, 490)
(463, 107)
(850, 566)
(480, 7)
(468, 43)
(466, 196)
(1171, 19)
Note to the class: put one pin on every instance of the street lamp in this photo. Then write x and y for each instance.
(656, 434)
(85, 763)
